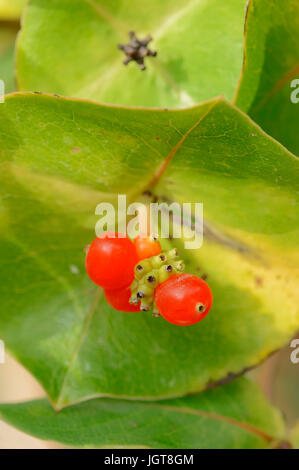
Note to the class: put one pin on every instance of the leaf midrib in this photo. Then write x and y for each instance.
(215, 416)
(243, 425)
(275, 89)
(163, 167)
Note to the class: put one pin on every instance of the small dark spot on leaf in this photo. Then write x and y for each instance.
(204, 277)
(133, 424)
(259, 281)
(168, 181)
(76, 150)
(37, 92)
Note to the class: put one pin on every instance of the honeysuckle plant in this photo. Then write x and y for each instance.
(209, 120)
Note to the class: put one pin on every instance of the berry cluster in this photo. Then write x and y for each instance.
(150, 273)
(138, 276)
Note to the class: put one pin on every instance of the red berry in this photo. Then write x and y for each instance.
(110, 261)
(119, 299)
(146, 247)
(184, 299)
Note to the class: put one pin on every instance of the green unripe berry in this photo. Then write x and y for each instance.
(159, 260)
(142, 268)
(151, 279)
(134, 299)
(156, 312)
(145, 290)
(165, 272)
(146, 304)
(172, 254)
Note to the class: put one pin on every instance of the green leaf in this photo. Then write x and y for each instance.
(11, 9)
(199, 44)
(59, 159)
(7, 43)
(235, 416)
(271, 63)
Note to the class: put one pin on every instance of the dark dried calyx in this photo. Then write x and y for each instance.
(136, 50)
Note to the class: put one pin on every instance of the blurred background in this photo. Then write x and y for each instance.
(277, 376)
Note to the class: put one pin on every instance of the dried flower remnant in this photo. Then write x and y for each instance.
(136, 50)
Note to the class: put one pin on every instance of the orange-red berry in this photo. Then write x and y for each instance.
(184, 299)
(119, 299)
(146, 247)
(110, 261)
